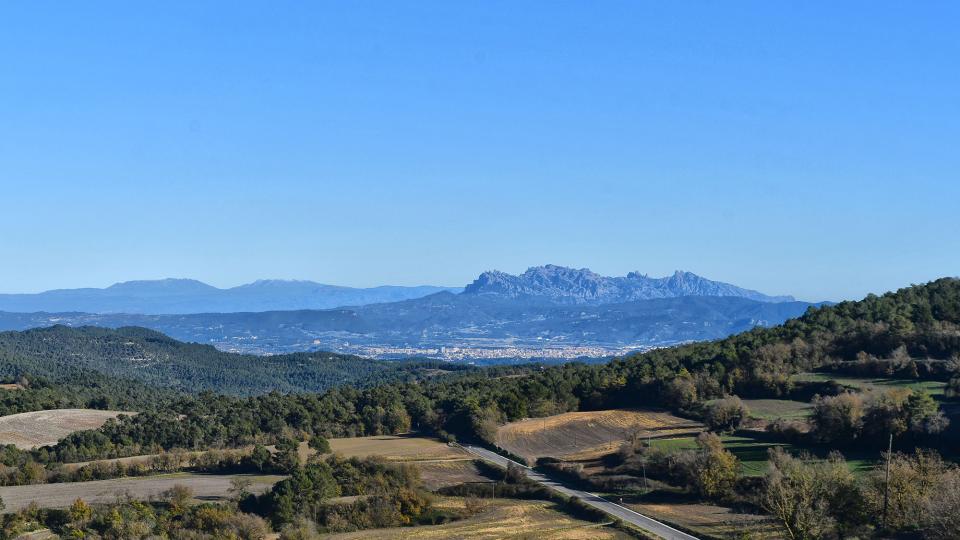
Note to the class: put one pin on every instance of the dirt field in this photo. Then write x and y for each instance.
(438, 474)
(204, 486)
(587, 435)
(502, 518)
(42, 428)
(709, 520)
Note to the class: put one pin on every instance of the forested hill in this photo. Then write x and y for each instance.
(913, 332)
(61, 354)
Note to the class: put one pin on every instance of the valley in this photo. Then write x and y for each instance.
(479, 271)
(548, 313)
(681, 442)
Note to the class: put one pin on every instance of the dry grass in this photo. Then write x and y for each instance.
(42, 428)
(397, 448)
(438, 474)
(709, 520)
(588, 435)
(501, 519)
(440, 465)
(204, 486)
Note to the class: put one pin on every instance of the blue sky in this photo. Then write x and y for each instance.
(809, 149)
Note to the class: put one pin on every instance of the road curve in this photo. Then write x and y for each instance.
(648, 524)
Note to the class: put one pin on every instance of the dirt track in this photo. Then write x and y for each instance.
(204, 486)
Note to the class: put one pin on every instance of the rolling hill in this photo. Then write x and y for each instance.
(62, 354)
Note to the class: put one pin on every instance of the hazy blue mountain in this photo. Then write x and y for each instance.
(181, 296)
(564, 285)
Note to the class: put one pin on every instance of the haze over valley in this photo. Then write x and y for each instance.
(548, 312)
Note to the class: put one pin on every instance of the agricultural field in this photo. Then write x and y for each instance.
(501, 518)
(934, 388)
(440, 465)
(396, 448)
(205, 487)
(750, 450)
(588, 435)
(776, 409)
(712, 521)
(41, 428)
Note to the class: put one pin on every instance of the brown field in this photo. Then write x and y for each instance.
(42, 428)
(204, 486)
(397, 448)
(440, 465)
(438, 474)
(709, 520)
(588, 435)
(501, 518)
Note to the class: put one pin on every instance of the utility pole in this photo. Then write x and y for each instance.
(643, 462)
(646, 484)
(886, 481)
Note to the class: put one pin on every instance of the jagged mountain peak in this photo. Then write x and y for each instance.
(566, 285)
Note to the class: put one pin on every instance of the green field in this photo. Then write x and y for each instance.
(752, 452)
(934, 388)
(774, 409)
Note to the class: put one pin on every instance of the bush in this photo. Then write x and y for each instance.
(726, 414)
(320, 444)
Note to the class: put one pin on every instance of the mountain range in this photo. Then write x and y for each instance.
(575, 311)
(549, 283)
(176, 296)
(581, 286)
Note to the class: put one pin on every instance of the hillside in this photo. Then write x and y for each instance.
(62, 354)
(914, 331)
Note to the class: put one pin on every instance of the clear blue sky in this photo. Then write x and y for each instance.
(810, 149)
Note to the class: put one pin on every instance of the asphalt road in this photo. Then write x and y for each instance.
(648, 524)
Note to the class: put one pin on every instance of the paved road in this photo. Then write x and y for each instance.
(648, 524)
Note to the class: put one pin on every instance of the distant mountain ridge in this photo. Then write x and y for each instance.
(183, 296)
(563, 285)
(540, 284)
